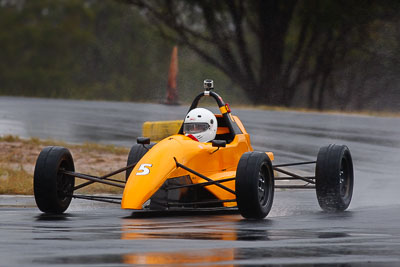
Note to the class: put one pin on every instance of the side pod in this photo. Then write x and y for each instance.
(154, 169)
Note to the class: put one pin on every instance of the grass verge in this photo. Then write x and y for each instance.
(18, 157)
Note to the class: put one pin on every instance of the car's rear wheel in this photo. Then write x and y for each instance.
(52, 189)
(135, 154)
(254, 185)
(334, 177)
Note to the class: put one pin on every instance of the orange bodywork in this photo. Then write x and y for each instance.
(159, 165)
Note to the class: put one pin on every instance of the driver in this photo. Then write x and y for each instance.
(201, 125)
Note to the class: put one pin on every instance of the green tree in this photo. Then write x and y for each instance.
(80, 49)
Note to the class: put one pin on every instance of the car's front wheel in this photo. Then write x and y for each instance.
(334, 177)
(53, 189)
(254, 185)
(135, 154)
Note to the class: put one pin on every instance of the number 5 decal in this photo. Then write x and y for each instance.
(144, 169)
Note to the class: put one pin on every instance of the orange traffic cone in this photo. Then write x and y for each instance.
(172, 90)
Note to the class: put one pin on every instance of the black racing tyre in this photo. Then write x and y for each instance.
(135, 154)
(254, 185)
(334, 178)
(52, 189)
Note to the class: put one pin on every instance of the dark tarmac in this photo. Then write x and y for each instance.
(295, 232)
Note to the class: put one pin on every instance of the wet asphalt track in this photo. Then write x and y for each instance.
(295, 232)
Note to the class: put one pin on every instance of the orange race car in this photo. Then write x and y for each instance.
(208, 164)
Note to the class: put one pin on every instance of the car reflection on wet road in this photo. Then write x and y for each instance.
(296, 232)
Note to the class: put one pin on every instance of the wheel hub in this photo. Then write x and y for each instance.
(343, 180)
(261, 188)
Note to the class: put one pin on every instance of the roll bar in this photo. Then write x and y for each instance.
(222, 107)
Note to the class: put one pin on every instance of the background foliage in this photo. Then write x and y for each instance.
(317, 54)
(88, 50)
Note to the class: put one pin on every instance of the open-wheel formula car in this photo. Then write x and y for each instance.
(182, 172)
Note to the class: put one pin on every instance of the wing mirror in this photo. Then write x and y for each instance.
(143, 140)
(218, 143)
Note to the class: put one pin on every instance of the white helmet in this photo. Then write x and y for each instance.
(200, 123)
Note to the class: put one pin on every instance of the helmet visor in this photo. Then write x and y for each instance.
(194, 128)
